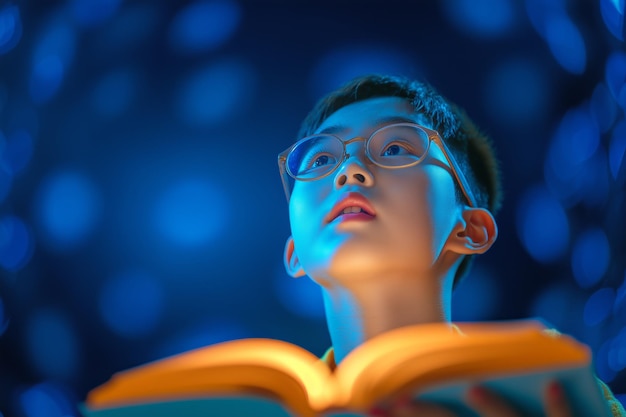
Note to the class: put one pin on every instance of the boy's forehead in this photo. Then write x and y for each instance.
(365, 116)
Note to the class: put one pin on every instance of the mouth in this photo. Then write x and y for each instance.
(352, 206)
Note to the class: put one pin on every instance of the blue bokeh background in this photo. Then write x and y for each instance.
(141, 210)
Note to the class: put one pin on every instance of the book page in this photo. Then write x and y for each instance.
(270, 368)
(419, 357)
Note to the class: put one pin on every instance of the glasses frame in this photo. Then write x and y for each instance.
(433, 136)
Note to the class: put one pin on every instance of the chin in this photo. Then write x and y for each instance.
(361, 262)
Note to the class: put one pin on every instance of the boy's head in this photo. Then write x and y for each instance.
(417, 207)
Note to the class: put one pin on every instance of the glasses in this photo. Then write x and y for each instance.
(398, 145)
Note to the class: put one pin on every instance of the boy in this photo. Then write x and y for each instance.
(391, 192)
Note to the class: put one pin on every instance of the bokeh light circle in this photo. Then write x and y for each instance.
(216, 93)
(542, 225)
(598, 306)
(542, 12)
(615, 73)
(204, 25)
(46, 77)
(567, 44)
(481, 18)
(603, 107)
(52, 56)
(93, 12)
(68, 207)
(47, 399)
(10, 27)
(191, 212)
(617, 351)
(613, 15)
(131, 304)
(570, 155)
(590, 257)
(16, 243)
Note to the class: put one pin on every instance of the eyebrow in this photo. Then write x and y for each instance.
(377, 123)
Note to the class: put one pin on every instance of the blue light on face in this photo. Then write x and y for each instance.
(204, 25)
(598, 306)
(192, 212)
(301, 296)
(131, 304)
(613, 16)
(216, 93)
(16, 243)
(68, 207)
(542, 225)
(590, 257)
(10, 28)
(52, 345)
(481, 18)
(517, 92)
(566, 44)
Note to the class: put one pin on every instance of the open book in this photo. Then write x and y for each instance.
(434, 362)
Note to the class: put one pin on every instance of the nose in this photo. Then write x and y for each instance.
(354, 170)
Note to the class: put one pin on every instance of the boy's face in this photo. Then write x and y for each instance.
(415, 207)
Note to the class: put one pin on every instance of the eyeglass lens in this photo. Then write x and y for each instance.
(392, 146)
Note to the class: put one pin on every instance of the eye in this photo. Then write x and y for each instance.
(317, 162)
(397, 148)
(315, 156)
(320, 161)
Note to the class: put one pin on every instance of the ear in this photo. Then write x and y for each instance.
(475, 232)
(292, 263)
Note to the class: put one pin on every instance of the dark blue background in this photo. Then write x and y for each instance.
(141, 210)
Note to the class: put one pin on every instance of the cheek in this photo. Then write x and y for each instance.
(306, 212)
(423, 203)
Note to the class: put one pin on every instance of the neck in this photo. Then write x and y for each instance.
(371, 307)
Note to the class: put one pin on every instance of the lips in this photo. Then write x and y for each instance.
(353, 206)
